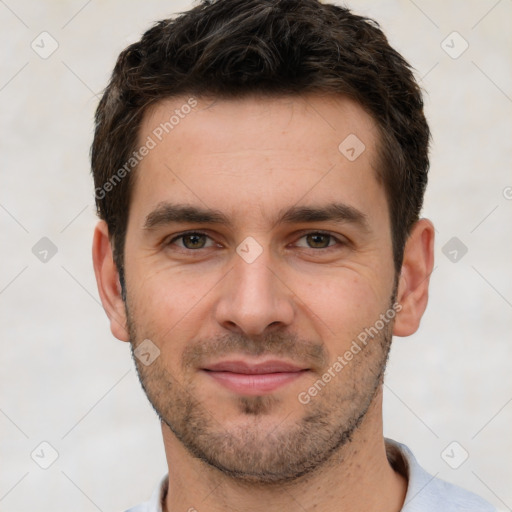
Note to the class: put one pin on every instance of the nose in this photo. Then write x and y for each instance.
(254, 298)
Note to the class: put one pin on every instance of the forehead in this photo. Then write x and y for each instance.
(265, 150)
(261, 117)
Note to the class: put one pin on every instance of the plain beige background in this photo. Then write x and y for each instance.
(66, 381)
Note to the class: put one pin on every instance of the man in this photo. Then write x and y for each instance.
(260, 169)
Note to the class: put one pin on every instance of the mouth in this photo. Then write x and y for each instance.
(253, 379)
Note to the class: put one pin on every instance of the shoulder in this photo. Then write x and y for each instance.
(427, 493)
(155, 502)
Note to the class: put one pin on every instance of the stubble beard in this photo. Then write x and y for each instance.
(254, 451)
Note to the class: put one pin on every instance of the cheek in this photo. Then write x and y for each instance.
(165, 303)
(342, 306)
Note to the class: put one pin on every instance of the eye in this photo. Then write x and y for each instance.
(318, 240)
(192, 240)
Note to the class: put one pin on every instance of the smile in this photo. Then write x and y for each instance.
(254, 379)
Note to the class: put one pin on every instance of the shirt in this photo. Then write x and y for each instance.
(425, 493)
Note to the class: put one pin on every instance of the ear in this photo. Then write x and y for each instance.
(417, 266)
(107, 279)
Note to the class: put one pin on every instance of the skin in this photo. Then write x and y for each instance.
(303, 299)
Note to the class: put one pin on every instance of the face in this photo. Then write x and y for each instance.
(257, 253)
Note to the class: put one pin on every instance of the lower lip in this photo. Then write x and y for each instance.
(254, 384)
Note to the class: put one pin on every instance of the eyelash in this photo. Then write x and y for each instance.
(187, 233)
(337, 241)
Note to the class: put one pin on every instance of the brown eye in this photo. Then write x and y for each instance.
(318, 240)
(192, 241)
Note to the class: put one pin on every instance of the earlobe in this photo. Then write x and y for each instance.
(107, 279)
(417, 266)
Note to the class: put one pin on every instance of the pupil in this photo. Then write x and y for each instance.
(318, 240)
(194, 241)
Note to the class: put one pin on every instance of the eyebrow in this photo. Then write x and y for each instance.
(337, 212)
(168, 213)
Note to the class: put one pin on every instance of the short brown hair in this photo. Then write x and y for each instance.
(232, 48)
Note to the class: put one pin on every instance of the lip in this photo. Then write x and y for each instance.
(269, 366)
(254, 378)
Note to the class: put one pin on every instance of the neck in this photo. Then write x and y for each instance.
(357, 477)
